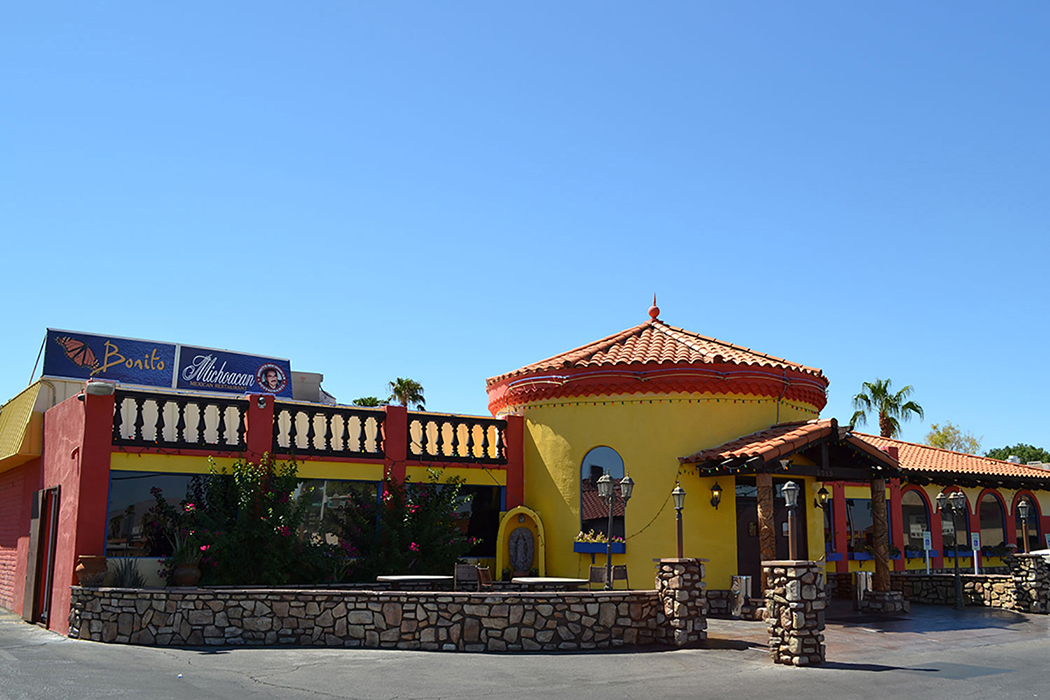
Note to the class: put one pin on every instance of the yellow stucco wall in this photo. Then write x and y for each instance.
(650, 433)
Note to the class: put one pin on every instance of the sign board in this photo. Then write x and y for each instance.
(975, 541)
(204, 369)
(74, 355)
(927, 540)
(1047, 536)
(84, 356)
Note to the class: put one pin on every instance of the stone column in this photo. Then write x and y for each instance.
(1031, 576)
(795, 602)
(680, 586)
(767, 534)
(881, 581)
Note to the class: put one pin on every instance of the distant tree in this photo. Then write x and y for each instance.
(891, 407)
(367, 401)
(1027, 453)
(951, 437)
(407, 392)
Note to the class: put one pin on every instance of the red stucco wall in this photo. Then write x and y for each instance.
(16, 494)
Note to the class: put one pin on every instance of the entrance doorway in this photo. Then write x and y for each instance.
(40, 569)
(748, 551)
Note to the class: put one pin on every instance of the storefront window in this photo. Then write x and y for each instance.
(859, 525)
(916, 518)
(948, 523)
(129, 503)
(324, 495)
(993, 524)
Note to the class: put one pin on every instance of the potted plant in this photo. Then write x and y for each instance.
(91, 569)
(185, 561)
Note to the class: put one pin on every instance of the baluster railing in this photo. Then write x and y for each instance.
(365, 441)
(210, 431)
(490, 450)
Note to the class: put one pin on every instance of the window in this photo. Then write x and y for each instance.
(322, 495)
(993, 522)
(594, 512)
(860, 525)
(129, 502)
(916, 518)
(948, 523)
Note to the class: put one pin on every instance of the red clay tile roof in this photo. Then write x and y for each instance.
(933, 460)
(592, 505)
(656, 343)
(769, 444)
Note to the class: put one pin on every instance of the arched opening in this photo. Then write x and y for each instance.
(993, 524)
(948, 529)
(594, 512)
(916, 516)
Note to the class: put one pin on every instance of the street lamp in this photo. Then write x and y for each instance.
(1022, 510)
(607, 492)
(679, 502)
(791, 500)
(954, 504)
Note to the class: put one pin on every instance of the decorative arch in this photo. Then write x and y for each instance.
(529, 518)
(1025, 493)
(1035, 518)
(913, 540)
(962, 538)
(993, 528)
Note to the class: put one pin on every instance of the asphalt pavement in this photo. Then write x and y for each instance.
(935, 652)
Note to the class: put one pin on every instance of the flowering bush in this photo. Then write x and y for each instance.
(241, 526)
(414, 529)
(593, 536)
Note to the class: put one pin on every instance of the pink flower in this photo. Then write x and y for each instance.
(414, 547)
(204, 547)
(189, 507)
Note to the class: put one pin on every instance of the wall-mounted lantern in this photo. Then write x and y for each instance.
(716, 495)
(822, 498)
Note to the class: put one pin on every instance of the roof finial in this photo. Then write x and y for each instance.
(654, 310)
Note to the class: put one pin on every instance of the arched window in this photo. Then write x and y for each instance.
(1034, 536)
(993, 522)
(916, 518)
(948, 524)
(594, 512)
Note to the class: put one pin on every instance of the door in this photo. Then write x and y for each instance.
(40, 568)
(748, 553)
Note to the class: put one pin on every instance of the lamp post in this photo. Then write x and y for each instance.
(1022, 510)
(607, 492)
(679, 502)
(954, 504)
(791, 500)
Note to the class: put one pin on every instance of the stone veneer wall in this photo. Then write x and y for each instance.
(990, 590)
(795, 602)
(680, 585)
(430, 620)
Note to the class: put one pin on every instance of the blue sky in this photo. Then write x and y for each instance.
(448, 191)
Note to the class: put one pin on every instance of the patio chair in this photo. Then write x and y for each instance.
(484, 578)
(620, 574)
(597, 575)
(465, 577)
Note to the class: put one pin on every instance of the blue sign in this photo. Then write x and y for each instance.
(84, 356)
(203, 369)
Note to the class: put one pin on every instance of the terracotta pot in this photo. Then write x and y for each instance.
(91, 570)
(186, 574)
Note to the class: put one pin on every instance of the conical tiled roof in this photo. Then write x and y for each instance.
(655, 357)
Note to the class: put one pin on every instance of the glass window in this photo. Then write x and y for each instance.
(948, 530)
(916, 518)
(594, 512)
(1034, 538)
(322, 495)
(859, 525)
(129, 502)
(480, 515)
(993, 522)
(829, 526)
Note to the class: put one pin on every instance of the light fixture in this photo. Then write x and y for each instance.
(1022, 510)
(605, 486)
(99, 387)
(953, 505)
(942, 501)
(822, 498)
(679, 502)
(261, 403)
(716, 495)
(626, 488)
(785, 463)
(790, 490)
(958, 501)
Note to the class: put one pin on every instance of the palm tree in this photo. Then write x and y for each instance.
(407, 392)
(892, 408)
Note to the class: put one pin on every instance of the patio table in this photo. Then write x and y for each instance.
(549, 583)
(416, 582)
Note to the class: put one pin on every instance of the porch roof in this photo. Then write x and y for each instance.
(835, 452)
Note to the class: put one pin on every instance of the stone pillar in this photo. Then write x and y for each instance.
(1031, 576)
(680, 587)
(795, 602)
(880, 531)
(767, 534)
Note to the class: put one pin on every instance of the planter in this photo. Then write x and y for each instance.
(598, 547)
(859, 556)
(186, 574)
(833, 556)
(91, 570)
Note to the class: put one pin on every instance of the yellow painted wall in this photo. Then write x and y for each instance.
(650, 433)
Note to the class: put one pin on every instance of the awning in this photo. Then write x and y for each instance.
(833, 453)
(20, 429)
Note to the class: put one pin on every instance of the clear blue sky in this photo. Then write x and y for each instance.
(449, 190)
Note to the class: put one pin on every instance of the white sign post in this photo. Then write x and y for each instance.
(927, 545)
(975, 547)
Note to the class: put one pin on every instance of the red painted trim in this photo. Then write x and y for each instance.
(395, 440)
(258, 426)
(658, 379)
(515, 447)
(838, 497)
